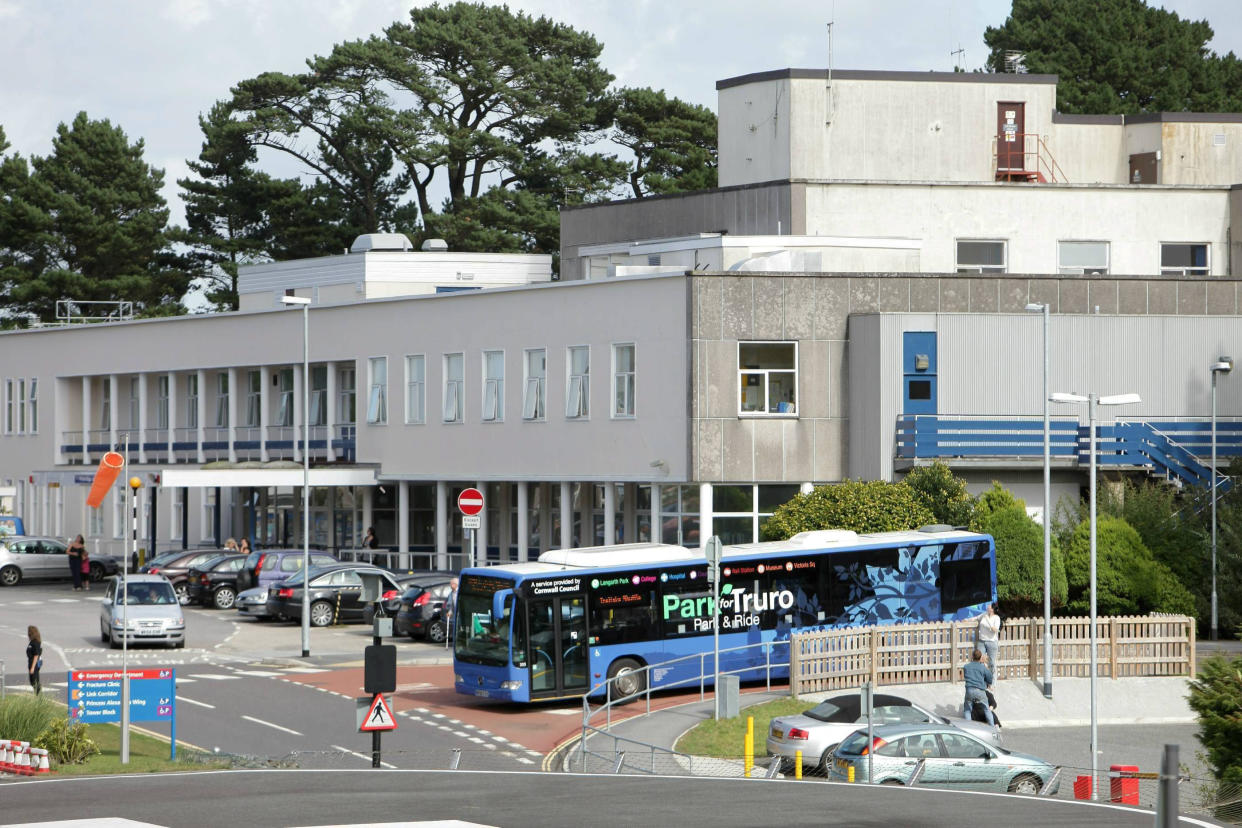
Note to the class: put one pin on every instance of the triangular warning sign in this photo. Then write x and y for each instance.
(379, 716)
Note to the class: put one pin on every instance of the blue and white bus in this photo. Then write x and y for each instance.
(560, 626)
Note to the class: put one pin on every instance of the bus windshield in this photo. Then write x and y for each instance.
(480, 638)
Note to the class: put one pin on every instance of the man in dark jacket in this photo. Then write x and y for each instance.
(978, 679)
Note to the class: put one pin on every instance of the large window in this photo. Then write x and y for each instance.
(319, 395)
(191, 401)
(767, 378)
(623, 380)
(493, 386)
(105, 409)
(178, 514)
(377, 400)
(254, 396)
(161, 401)
(210, 507)
(134, 402)
(284, 414)
(346, 396)
(454, 388)
(1187, 259)
(578, 385)
(94, 522)
(536, 382)
(222, 400)
(416, 389)
(33, 403)
(10, 407)
(981, 256)
(21, 406)
(1082, 257)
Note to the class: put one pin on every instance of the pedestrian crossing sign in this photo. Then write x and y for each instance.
(379, 716)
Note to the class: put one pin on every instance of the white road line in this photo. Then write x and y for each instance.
(199, 703)
(269, 724)
(359, 755)
(303, 669)
(257, 673)
(27, 603)
(64, 600)
(214, 676)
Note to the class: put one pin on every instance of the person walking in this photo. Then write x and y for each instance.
(450, 613)
(987, 635)
(34, 658)
(77, 548)
(978, 679)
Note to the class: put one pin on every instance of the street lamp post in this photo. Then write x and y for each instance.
(1045, 309)
(305, 303)
(1223, 365)
(1092, 400)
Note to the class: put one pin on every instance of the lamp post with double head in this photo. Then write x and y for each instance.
(305, 303)
(1092, 400)
(1223, 365)
(1045, 309)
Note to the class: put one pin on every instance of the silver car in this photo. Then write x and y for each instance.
(818, 731)
(152, 614)
(951, 758)
(24, 557)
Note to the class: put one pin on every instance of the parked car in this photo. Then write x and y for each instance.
(23, 557)
(159, 560)
(213, 583)
(953, 759)
(145, 611)
(253, 603)
(268, 566)
(818, 731)
(420, 613)
(405, 580)
(335, 593)
(176, 568)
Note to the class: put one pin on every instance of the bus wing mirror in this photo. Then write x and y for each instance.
(498, 604)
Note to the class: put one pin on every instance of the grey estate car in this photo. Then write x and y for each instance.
(26, 557)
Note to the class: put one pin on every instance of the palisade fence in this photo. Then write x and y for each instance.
(842, 659)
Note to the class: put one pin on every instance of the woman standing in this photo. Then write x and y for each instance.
(34, 658)
(76, 552)
(370, 541)
(987, 637)
(245, 546)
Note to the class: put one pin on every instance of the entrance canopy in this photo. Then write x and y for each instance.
(264, 478)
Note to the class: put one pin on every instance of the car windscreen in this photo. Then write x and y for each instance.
(853, 744)
(160, 560)
(149, 594)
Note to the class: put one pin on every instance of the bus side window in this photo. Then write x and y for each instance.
(615, 623)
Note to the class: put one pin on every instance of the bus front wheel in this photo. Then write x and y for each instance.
(628, 678)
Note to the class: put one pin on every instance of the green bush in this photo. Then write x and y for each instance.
(942, 493)
(1216, 696)
(23, 717)
(875, 506)
(1129, 581)
(67, 744)
(1020, 562)
(993, 500)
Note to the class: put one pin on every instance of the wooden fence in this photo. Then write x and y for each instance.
(1154, 645)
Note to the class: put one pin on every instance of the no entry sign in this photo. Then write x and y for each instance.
(470, 501)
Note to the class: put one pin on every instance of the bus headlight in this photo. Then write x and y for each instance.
(510, 685)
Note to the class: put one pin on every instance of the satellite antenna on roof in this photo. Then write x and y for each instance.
(828, 101)
(1015, 63)
(960, 54)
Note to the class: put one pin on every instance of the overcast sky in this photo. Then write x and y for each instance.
(152, 66)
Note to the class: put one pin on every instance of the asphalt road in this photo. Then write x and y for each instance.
(541, 800)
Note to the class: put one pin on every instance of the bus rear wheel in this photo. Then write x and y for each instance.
(628, 678)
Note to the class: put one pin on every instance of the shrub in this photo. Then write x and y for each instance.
(1020, 562)
(67, 744)
(1129, 581)
(1216, 696)
(942, 493)
(23, 717)
(875, 506)
(993, 500)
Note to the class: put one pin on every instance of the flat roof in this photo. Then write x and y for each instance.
(878, 75)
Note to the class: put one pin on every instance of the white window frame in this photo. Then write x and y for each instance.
(626, 410)
(347, 395)
(94, 522)
(32, 421)
(254, 399)
(534, 388)
(222, 399)
(105, 408)
(318, 414)
(284, 409)
(1187, 271)
(161, 401)
(961, 267)
(135, 400)
(377, 395)
(118, 510)
(1084, 269)
(177, 516)
(493, 388)
(454, 408)
(415, 389)
(209, 507)
(10, 403)
(191, 400)
(577, 385)
(766, 381)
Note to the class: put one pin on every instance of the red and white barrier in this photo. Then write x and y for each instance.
(38, 761)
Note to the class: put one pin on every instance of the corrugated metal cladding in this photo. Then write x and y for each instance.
(992, 364)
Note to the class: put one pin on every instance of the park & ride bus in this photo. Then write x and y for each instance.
(559, 627)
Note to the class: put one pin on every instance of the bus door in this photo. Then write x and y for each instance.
(558, 646)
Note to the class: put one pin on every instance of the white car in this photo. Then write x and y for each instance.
(152, 614)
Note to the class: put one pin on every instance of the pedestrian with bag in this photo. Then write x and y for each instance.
(34, 658)
(987, 635)
(76, 552)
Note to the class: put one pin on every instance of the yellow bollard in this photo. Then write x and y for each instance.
(749, 759)
(850, 773)
(798, 764)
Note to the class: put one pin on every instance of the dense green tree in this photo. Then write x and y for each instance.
(88, 223)
(673, 142)
(1129, 581)
(1020, 562)
(942, 493)
(1216, 696)
(874, 506)
(1119, 56)
(995, 499)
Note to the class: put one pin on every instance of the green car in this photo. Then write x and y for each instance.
(952, 759)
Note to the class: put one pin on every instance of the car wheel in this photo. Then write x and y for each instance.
(628, 681)
(10, 576)
(1026, 784)
(183, 593)
(180, 645)
(826, 760)
(113, 644)
(97, 572)
(225, 598)
(436, 631)
(320, 614)
(103, 633)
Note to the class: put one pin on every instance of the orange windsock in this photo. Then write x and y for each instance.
(109, 467)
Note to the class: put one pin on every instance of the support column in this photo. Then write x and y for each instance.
(86, 421)
(403, 523)
(200, 417)
(523, 522)
(114, 411)
(234, 392)
(368, 513)
(610, 514)
(545, 517)
(567, 516)
(629, 513)
(480, 534)
(657, 519)
(442, 559)
(705, 514)
(297, 416)
(329, 407)
(265, 403)
(172, 414)
(504, 502)
(141, 425)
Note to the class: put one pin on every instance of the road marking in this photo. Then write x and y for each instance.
(563, 712)
(269, 724)
(304, 670)
(257, 673)
(64, 600)
(27, 603)
(214, 676)
(360, 756)
(199, 703)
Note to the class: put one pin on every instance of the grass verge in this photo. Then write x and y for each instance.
(726, 738)
(147, 754)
